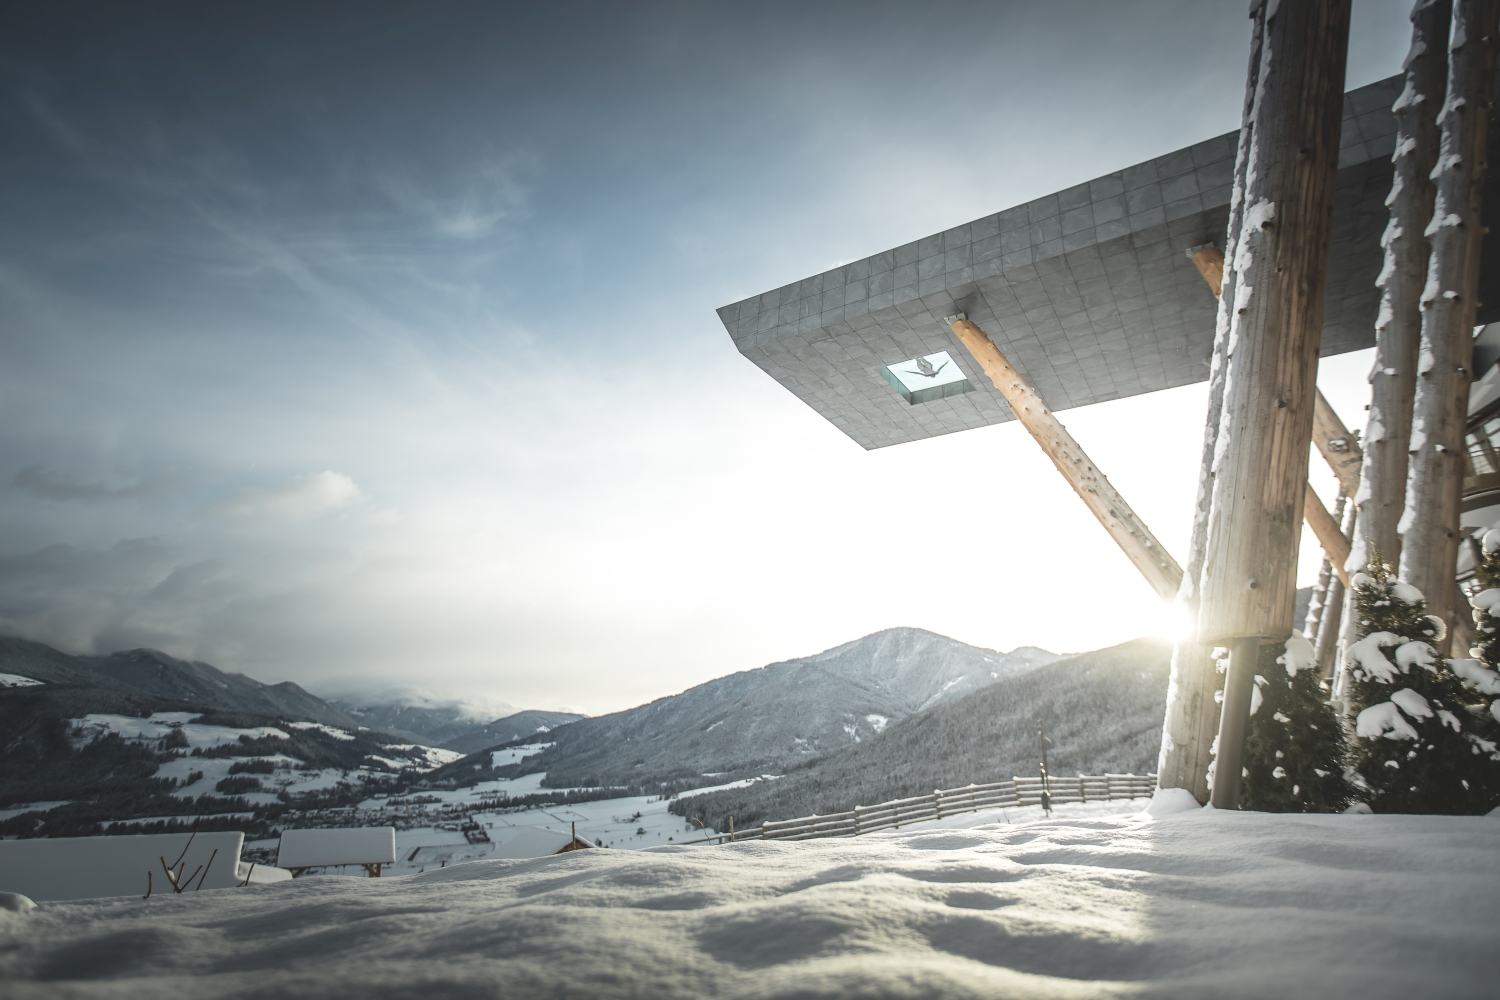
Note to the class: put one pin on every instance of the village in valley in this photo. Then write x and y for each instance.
(1277, 774)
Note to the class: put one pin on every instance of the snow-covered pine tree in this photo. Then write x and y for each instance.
(1416, 749)
(1481, 678)
(1295, 753)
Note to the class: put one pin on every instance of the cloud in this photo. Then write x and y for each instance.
(473, 707)
(296, 499)
(38, 482)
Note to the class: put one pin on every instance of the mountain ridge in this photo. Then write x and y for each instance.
(1102, 709)
(145, 672)
(768, 718)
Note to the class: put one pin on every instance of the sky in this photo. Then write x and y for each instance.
(373, 345)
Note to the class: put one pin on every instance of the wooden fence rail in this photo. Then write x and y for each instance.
(945, 802)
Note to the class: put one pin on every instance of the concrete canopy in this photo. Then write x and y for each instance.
(1089, 291)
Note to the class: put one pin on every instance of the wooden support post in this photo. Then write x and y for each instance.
(1128, 530)
(1318, 603)
(1191, 720)
(1381, 496)
(1281, 268)
(1327, 643)
(1234, 721)
(1339, 448)
(1430, 525)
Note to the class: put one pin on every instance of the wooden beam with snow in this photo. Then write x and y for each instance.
(1430, 524)
(1140, 546)
(1281, 262)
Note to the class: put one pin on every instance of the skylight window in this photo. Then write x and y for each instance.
(921, 380)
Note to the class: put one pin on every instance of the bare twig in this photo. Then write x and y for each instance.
(185, 847)
(206, 867)
(148, 884)
(247, 876)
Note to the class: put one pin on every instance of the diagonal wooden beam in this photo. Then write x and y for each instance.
(1328, 532)
(1339, 448)
(1124, 526)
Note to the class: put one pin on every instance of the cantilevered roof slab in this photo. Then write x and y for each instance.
(1089, 291)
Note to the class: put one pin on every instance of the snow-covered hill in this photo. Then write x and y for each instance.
(777, 716)
(1103, 712)
(1221, 904)
(150, 672)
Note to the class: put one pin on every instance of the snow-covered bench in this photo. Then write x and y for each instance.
(370, 847)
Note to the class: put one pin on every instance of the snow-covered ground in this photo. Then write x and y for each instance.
(1194, 904)
(17, 681)
(197, 776)
(160, 725)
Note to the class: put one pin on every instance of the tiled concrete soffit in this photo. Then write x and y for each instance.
(1088, 291)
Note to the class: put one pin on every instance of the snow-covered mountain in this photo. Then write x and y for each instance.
(1102, 711)
(778, 715)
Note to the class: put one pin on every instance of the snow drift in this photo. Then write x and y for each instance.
(1194, 904)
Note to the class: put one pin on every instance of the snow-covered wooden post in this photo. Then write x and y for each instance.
(1430, 525)
(1280, 266)
(1381, 497)
(1191, 720)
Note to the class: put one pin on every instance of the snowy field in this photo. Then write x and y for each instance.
(1194, 904)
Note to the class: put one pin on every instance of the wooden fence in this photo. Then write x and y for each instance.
(947, 802)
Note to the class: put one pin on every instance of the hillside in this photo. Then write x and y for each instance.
(1103, 712)
(522, 725)
(149, 672)
(89, 757)
(771, 718)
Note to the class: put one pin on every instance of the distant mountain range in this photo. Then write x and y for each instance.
(151, 673)
(531, 725)
(452, 727)
(770, 719)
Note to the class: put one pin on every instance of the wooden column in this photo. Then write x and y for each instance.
(1434, 484)
(1281, 267)
(1191, 721)
(1128, 530)
(1381, 496)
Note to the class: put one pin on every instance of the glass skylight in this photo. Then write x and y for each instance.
(924, 379)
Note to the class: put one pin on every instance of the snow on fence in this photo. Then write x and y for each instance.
(948, 802)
